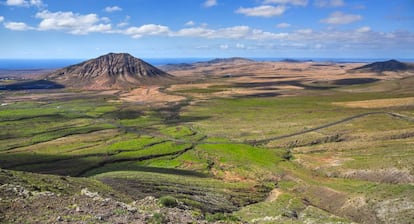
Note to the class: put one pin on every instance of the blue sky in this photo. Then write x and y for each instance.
(41, 29)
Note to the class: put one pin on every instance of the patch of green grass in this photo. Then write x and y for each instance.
(163, 163)
(177, 131)
(136, 143)
(70, 131)
(221, 217)
(147, 120)
(241, 160)
(159, 149)
(98, 111)
(241, 154)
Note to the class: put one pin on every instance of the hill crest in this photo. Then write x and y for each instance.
(390, 65)
(230, 60)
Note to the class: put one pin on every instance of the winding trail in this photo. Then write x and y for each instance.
(393, 115)
(266, 140)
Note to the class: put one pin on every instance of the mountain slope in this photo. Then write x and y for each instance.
(110, 71)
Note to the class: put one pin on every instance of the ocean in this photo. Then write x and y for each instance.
(27, 64)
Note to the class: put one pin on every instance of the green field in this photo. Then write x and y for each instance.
(222, 157)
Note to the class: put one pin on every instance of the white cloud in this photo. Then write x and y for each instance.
(122, 24)
(37, 3)
(292, 2)
(17, 26)
(72, 22)
(318, 46)
(361, 38)
(235, 32)
(17, 3)
(194, 32)
(210, 3)
(334, 41)
(202, 47)
(25, 3)
(341, 18)
(96, 28)
(229, 32)
(125, 22)
(240, 46)
(106, 19)
(263, 35)
(224, 46)
(263, 11)
(283, 25)
(329, 3)
(363, 29)
(304, 31)
(190, 23)
(147, 29)
(232, 32)
(113, 8)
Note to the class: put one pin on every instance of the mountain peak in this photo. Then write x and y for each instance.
(110, 71)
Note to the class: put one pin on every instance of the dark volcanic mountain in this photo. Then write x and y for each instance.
(111, 71)
(391, 65)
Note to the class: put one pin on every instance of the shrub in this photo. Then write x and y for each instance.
(168, 201)
(157, 218)
(221, 217)
(287, 155)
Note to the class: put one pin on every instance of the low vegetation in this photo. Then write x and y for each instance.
(318, 154)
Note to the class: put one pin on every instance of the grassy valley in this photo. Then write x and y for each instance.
(285, 143)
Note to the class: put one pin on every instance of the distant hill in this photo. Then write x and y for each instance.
(289, 60)
(230, 60)
(110, 71)
(187, 66)
(180, 66)
(390, 65)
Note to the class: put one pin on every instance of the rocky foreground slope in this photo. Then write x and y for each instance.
(35, 198)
